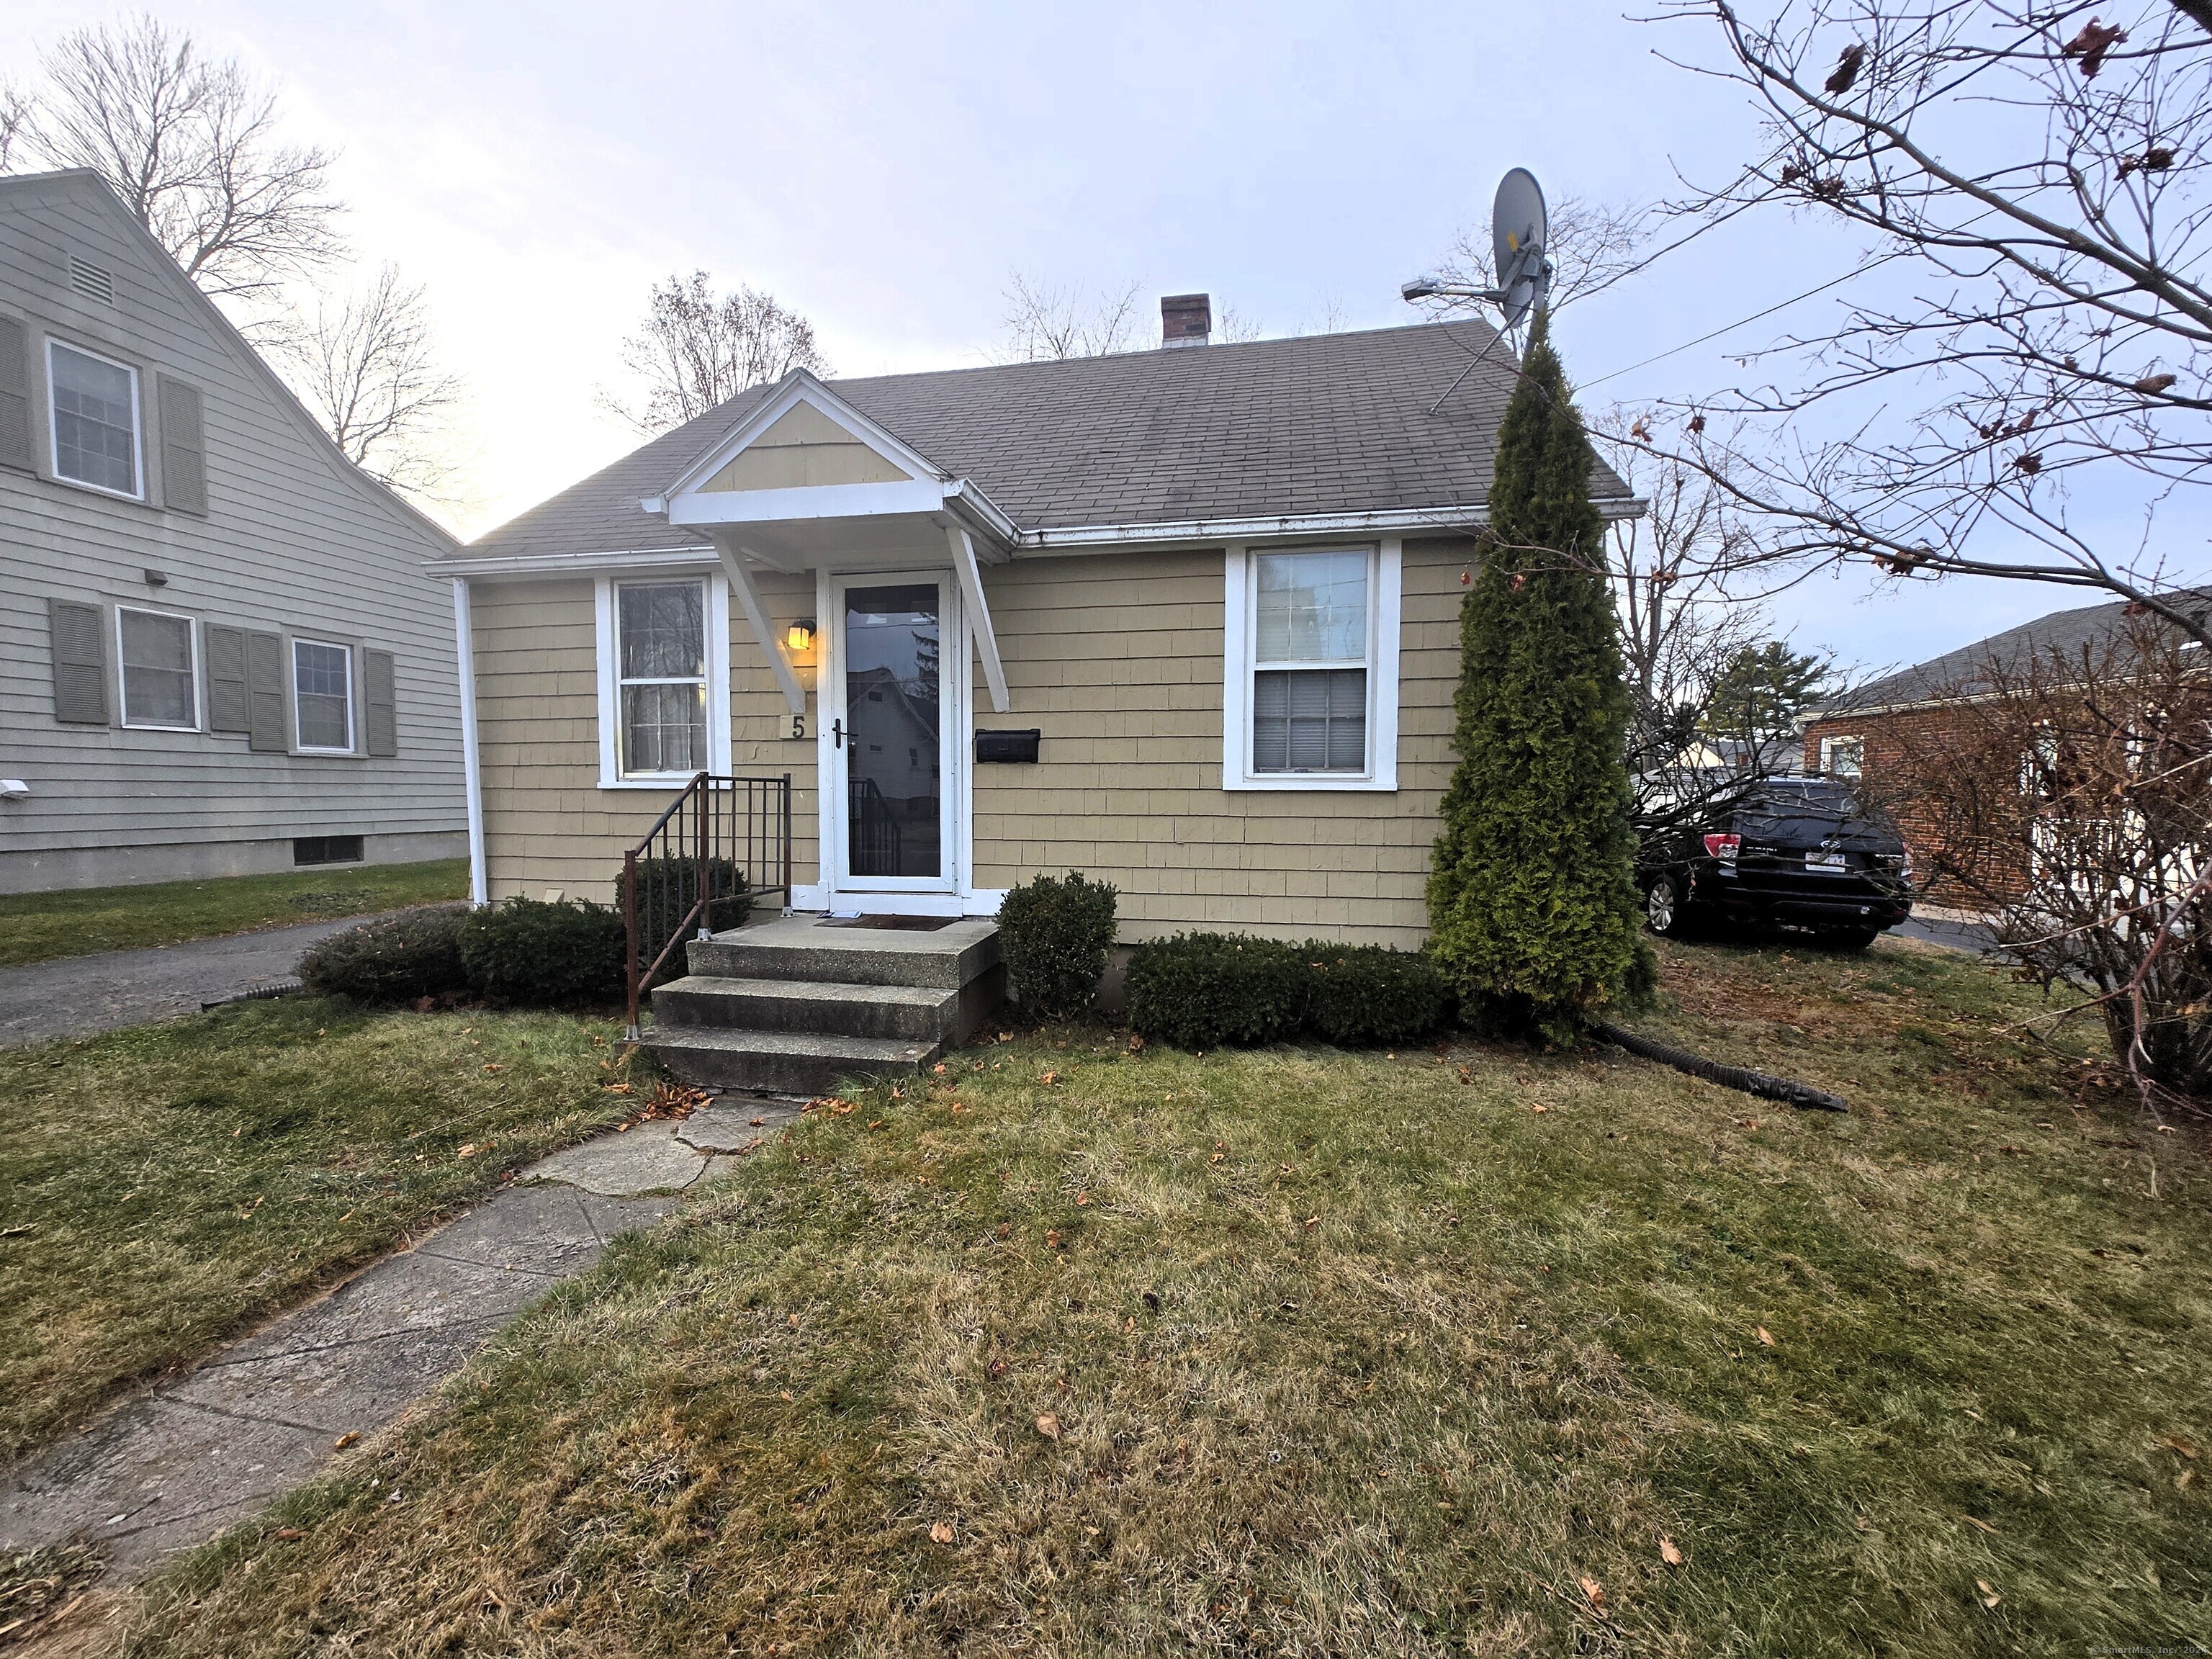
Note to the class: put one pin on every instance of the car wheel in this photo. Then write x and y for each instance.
(1851, 939)
(1664, 907)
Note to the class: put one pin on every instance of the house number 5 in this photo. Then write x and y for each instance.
(798, 725)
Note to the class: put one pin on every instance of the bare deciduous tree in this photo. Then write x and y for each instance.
(698, 349)
(1591, 245)
(2050, 168)
(1045, 322)
(190, 147)
(15, 122)
(366, 364)
(2070, 793)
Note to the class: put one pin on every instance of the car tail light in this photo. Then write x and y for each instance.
(1723, 847)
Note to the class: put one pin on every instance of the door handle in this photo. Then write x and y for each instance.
(836, 734)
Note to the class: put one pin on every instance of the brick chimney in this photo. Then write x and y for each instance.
(1186, 319)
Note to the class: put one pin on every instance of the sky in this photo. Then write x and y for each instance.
(886, 170)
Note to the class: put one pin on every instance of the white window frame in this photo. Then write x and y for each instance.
(1828, 746)
(717, 614)
(137, 424)
(123, 669)
(1240, 614)
(299, 745)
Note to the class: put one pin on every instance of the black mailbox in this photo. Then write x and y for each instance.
(1008, 745)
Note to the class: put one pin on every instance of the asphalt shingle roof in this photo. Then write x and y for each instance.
(1323, 423)
(1958, 673)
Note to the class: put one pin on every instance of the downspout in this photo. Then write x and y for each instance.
(471, 767)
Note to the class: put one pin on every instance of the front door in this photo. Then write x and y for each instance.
(890, 719)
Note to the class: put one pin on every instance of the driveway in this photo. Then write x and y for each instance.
(78, 996)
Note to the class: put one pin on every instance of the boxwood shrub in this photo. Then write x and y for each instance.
(566, 954)
(417, 953)
(1368, 996)
(1201, 991)
(1055, 932)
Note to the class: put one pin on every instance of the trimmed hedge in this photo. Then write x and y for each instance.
(1055, 932)
(1199, 991)
(1368, 996)
(666, 890)
(1202, 991)
(397, 958)
(563, 955)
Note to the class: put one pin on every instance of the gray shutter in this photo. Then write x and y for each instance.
(264, 693)
(80, 649)
(227, 709)
(184, 450)
(15, 396)
(383, 704)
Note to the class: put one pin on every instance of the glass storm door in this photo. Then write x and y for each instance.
(890, 737)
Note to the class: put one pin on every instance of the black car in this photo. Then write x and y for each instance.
(1799, 852)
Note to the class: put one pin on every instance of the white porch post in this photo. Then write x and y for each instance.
(979, 617)
(741, 584)
(465, 652)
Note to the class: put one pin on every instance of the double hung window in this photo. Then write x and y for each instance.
(322, 697)
(1312, 662)
(660, 631)
(94, 414)
(160, 669)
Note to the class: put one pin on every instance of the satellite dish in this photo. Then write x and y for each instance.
(1518, 228)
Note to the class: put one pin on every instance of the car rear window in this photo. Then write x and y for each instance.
(1823, 804)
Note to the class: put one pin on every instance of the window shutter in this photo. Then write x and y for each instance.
(383, 704)
(184, 451)
(264, 693)
(80, 643)
(227, 706)
(15, 396)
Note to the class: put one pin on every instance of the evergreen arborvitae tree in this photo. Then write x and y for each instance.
(1533, 904)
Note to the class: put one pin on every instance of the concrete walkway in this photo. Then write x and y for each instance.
(77, 996)
(175, 1467)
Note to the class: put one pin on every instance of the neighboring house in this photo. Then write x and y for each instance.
(1221, 583)
(1866, 732)
(219, 649)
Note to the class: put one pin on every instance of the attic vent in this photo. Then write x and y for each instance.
(93, 281)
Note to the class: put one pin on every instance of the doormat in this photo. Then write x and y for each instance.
(892, 924)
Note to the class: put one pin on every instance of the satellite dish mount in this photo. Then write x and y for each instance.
(1519, 231)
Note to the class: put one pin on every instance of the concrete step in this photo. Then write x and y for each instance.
(917, 1013)
(805, 948)
(783, 1062)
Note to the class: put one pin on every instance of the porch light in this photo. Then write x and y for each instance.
(801, 637)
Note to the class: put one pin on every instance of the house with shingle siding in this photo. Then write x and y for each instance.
(1219, 583)
(219, 650)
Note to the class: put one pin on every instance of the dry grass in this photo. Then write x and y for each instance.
(1341, 1354)
(163, 1187)
(75, 921)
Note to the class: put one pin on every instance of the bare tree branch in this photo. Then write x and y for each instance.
(368, 366)
(1591, 245)
(699, 349)
(1043, 322)
(15, 122)
(190, 146)
(2051, 172)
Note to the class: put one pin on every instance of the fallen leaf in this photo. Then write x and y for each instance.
(1766, 1337)
(2180, 1443)
(1983, 1525)
(1989, 1597)
(1594, 1591)
(495, 1067)
(469, 1151)
(289, 1533)
(783, 1394)
(615, 1088)
(1082, 1199)
(1049, 1079)
(1312, 1221)
(941, 1533)
(998, 1369)
(1049, 1425)
(1670, 1552)
(1539, 1107)
(1217, 1157)
(1005, 1229)
(2186, 1479)
(343, 1441)
(1052, 1238)
(938, 1069)
(755, 1123)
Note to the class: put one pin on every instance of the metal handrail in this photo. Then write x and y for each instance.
(719, 840)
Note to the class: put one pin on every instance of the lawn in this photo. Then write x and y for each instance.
(163, 1187)
(39, 926)
(1074, 1349)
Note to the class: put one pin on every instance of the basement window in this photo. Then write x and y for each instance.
(326, 849)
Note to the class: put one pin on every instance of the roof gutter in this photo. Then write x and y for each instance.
(1083, 538)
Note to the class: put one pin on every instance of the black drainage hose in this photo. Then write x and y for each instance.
(1762, 1083)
